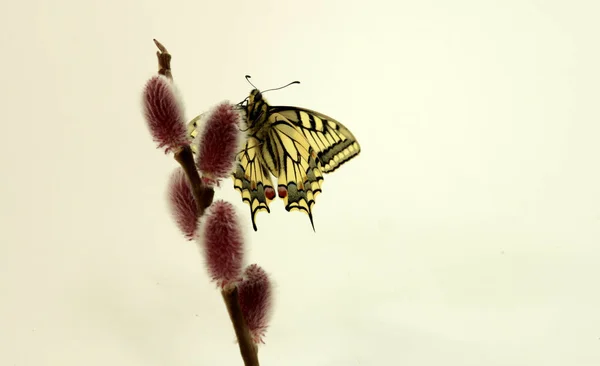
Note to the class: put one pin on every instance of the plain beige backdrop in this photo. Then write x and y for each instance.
(466, 233)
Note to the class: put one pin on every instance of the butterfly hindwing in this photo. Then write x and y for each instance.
(301, 197)
(289, 157)
(332, 141)
(253, 180)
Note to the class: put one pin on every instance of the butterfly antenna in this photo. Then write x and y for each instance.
(281, 87)
(248, 80)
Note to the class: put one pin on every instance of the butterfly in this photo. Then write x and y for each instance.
(295, 145)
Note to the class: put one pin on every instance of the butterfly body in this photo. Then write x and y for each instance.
(295, 145)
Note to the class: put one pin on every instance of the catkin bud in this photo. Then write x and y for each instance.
(182, 204)
(254, 293)
(220, 139)
(221, 239)
(164, 115)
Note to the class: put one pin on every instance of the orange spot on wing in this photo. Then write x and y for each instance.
(282, 192)
(270, 193)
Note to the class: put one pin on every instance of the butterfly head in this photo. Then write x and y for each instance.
(256, 107)
(255, 96)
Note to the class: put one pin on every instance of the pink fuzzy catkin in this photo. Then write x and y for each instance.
(254, 293)
(222, 241)
(220, 140)
(164, 114)
(182, 204)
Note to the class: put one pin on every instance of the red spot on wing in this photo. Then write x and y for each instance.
(270, 193)
(282, 192)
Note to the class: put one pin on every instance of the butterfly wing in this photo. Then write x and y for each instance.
(289, 157)
(252, 179)
(192, 132)
(333, 143)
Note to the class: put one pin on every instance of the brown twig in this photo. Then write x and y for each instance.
(164, 60)
(248, 349)
(203, 196)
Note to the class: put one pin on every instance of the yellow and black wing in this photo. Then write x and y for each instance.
(192, 130)
(252, 179)
(333, 143)
(288, 156)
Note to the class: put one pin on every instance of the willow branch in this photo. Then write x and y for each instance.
(203, 196)
(248, 349)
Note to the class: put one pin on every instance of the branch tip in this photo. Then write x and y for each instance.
(160, 46)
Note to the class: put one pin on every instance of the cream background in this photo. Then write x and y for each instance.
(467, 232)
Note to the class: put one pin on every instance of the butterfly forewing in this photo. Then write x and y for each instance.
(332, 141)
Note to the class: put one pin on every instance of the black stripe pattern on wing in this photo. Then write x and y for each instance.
(289, 157)
(332, 141)
(252, 179)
